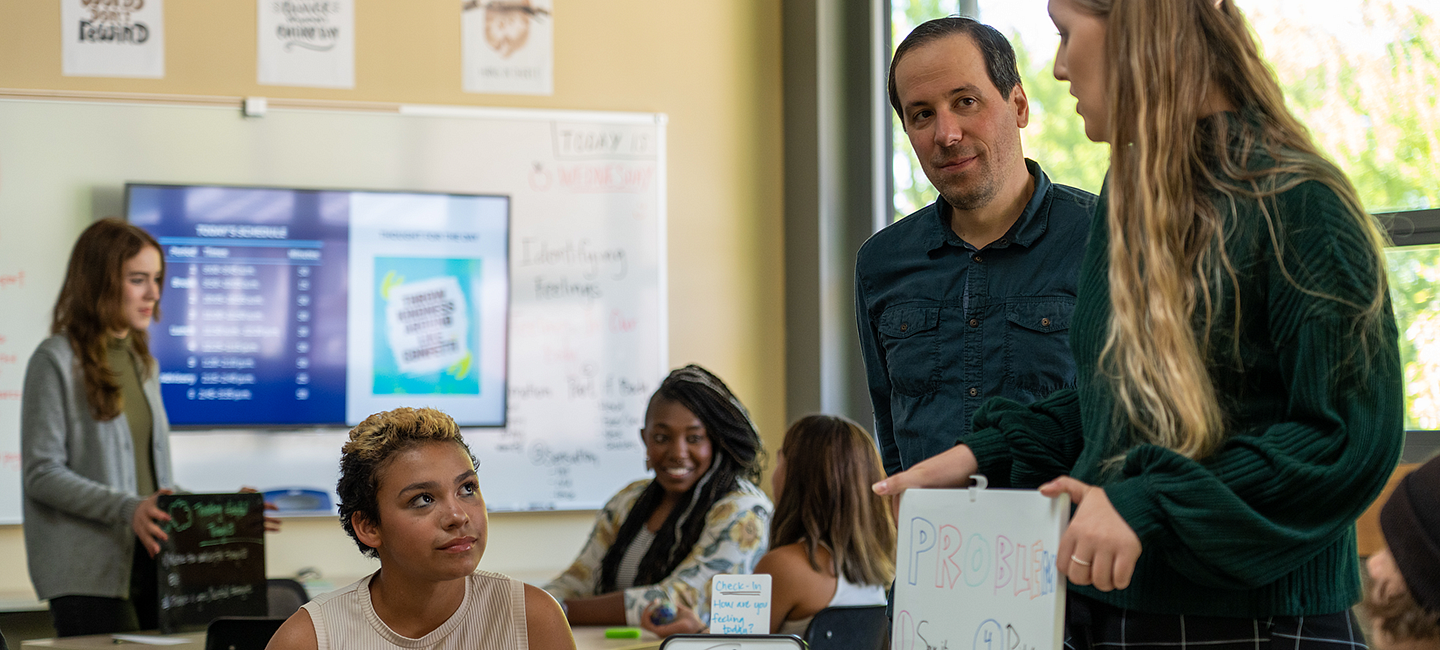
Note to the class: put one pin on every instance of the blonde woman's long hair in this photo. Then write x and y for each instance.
(1167, 232)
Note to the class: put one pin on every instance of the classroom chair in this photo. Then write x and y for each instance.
(241, 632)
(1368, 539)
(850, 627)
(285, 596)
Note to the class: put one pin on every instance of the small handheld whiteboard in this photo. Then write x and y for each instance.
(732, 642)
(740, 604)
(975, 568)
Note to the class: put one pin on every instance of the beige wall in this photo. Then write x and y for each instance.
(713, 67)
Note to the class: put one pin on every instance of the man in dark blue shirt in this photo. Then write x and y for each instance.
(969, 297)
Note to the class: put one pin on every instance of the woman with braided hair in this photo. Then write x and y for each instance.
(701, 515)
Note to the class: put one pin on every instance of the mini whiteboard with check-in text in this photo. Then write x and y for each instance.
(976, 569)
(733, 642)
(740, 604)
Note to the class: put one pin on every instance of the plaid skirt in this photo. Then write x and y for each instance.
(1093, 625)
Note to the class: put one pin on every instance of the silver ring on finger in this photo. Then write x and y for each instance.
(1079, 561)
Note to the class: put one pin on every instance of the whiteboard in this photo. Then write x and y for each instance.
(975, 568)
(587, 333)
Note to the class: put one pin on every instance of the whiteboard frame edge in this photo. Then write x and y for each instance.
(535, 114)
(637, 118)
(662, 222)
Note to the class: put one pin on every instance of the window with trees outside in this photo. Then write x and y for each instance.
(1364, 75)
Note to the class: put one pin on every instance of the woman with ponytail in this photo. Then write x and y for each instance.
(1239, 398)
(95, 440)
(700, 516)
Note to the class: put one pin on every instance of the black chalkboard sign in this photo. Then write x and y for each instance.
(214, 562)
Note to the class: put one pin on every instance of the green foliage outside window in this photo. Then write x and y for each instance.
(1415, 294)
(1055, 137)
(912, 190)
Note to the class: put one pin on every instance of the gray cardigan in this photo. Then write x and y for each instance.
(79, 479)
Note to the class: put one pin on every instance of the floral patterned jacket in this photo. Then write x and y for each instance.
(737, 533)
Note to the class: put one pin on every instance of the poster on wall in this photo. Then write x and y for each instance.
(508, 46)
(112, 38)
(306, 43)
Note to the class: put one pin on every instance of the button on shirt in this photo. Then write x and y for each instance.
(944, 327)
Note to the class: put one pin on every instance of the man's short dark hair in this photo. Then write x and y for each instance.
(999, 56)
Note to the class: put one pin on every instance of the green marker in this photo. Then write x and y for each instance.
(622, 633)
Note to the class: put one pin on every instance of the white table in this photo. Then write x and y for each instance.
(586, 638)
(192, 641)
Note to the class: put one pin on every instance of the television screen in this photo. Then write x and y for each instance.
(297, 307)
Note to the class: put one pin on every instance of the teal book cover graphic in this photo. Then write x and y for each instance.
(426, 329)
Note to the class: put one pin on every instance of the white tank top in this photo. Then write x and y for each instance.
(845, 594)
(490, 617)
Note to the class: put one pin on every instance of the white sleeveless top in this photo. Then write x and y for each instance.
(845, 594)
(491, 617)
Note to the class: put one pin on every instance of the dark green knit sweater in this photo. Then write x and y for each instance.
(1264, 526)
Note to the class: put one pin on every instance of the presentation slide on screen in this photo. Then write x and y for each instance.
(288, 307)
(427, 313)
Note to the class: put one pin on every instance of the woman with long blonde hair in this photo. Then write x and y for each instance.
(1239, 399)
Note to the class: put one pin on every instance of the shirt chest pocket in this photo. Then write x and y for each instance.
(911, 339)
(1037, 346)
